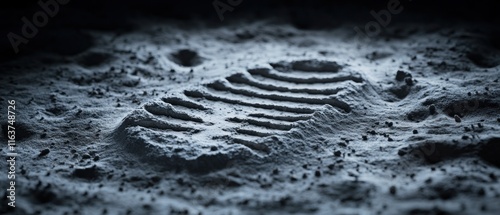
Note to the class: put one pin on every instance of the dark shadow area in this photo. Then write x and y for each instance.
(61, 32)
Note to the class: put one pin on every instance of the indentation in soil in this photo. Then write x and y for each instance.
(186, 58)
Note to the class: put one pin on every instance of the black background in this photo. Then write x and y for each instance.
(118, 15)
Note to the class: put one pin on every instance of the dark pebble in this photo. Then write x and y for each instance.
(317, 173)
(432, 109)
(180, 181)
(44, 152)
(275, 171)
(457, 118)
(337, 153)
(401, 75)
(364, 137)
(493, 177)
(428, 181)
(401, 152)
(409, 81)
(415, 132)
(392, 190)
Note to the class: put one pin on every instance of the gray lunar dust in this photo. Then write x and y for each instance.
(260, 118)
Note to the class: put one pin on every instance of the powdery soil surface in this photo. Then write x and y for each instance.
(290, 121)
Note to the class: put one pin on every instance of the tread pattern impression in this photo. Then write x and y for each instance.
(236, 111)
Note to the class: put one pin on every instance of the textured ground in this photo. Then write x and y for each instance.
(258, 118)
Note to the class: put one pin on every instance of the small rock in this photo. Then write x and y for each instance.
(317, 173)
(428, 181)
(493, 177)
(401, 75)
(180, 181)
(89, 173)
(392, 190)
(44, 152)
(364, 137)
(275, 171)
(415, 131)
(337, 153)
(409, 81)
(457, 119)
(432, 109)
